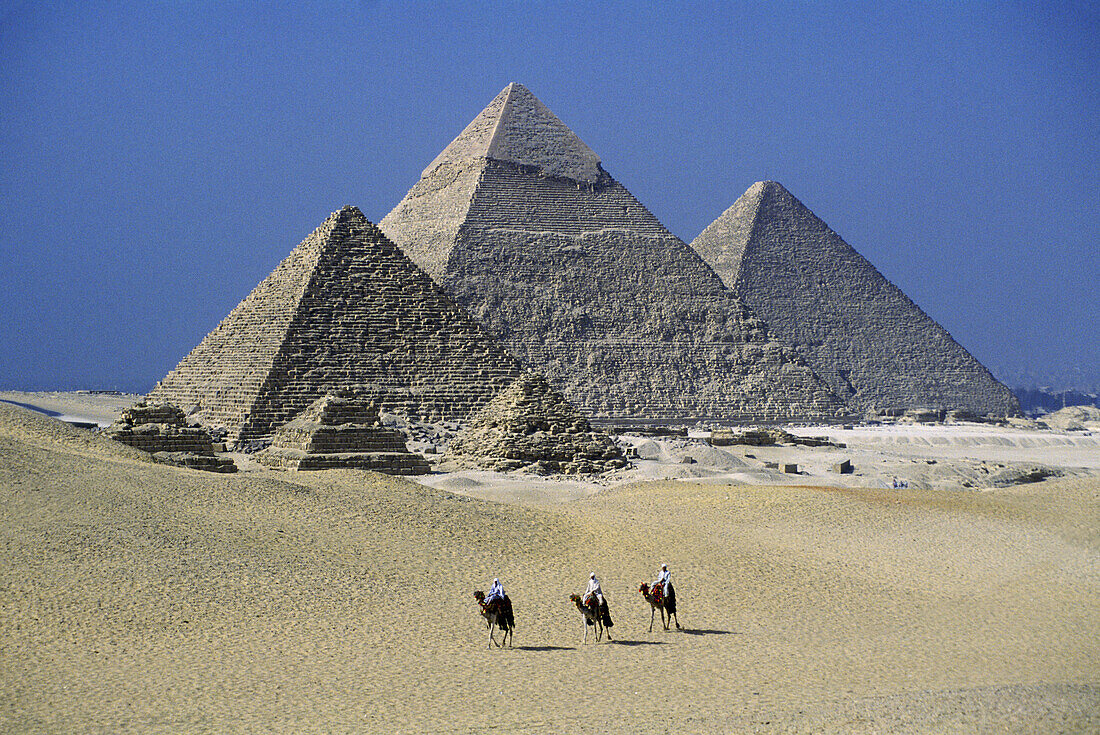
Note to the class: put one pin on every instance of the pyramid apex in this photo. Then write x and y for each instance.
(518, 128)
(350, 212)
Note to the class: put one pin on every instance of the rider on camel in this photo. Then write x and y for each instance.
(496, 592)
(594, 589)
(663, 590)
(497, 596)
(664, 579)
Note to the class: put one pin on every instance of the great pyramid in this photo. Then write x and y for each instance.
(518, 221)
(345, 310)
(858, 331)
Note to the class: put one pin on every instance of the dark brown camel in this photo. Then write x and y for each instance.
(593, 616)
(657, 601)
(497, 614)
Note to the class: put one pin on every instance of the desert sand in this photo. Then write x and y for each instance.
(140, 597)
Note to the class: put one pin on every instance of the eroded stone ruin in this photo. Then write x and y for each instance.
(161, 429)
(345, 310)
(530, 425)
(341, 431)
(872, 345)
(518, 221)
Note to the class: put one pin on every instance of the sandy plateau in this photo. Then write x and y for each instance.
(139, 597)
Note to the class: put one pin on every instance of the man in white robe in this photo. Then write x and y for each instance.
(605, 614)
(496, 592)
(594, 588)
(664, 578)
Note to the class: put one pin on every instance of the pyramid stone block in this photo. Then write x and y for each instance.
(341, 431)
(345, 310)
(518, 221)
(531, 425)
(872, 345)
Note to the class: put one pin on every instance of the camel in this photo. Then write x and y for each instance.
(497, 614)
(593, 616)
(658, 601)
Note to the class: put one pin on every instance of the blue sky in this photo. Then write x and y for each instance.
(157, 160)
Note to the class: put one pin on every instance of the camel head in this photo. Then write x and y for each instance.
(575, 598)
(644, 589)
(479, 596)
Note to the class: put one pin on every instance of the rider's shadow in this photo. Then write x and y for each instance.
(704, 631)
(545, 648)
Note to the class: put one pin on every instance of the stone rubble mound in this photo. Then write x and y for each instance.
(866, 339)
(341, 430)
(765, 437)
(519, 223)
(531, 426)
(1073, 418)
(161, 429)
(345, 310)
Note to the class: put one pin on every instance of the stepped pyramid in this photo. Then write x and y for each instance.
(341, 430)
(161, 429)
(531, 424)
(858, 331)
(518, 221)
(345, 310)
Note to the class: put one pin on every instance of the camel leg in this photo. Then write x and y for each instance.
(599, 631)
(673, 615)
(651, 611)
(585, 632)
(492, 640)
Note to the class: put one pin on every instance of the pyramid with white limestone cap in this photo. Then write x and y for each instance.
(346, 310)
(518, 128)
(860, 333)
(518, 221)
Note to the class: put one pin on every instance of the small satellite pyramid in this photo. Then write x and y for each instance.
(341, 430)
(531, 424)
(518, 221)
(346, 310)
(858, 331)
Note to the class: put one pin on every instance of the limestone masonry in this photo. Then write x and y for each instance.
(517, 220)
(161, 429)
(532, 425)
(341, 431)
(872, 345)
(345, 310)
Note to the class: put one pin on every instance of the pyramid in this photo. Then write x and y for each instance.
(518, 221)
(161, 429)
(341, 430)
(858, 331)
(531, 425)
(345, 310)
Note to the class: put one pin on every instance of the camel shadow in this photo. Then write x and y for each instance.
(704, 631)
(545, 648)
(620, 642)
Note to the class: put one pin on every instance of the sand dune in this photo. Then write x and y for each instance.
(142, 597)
